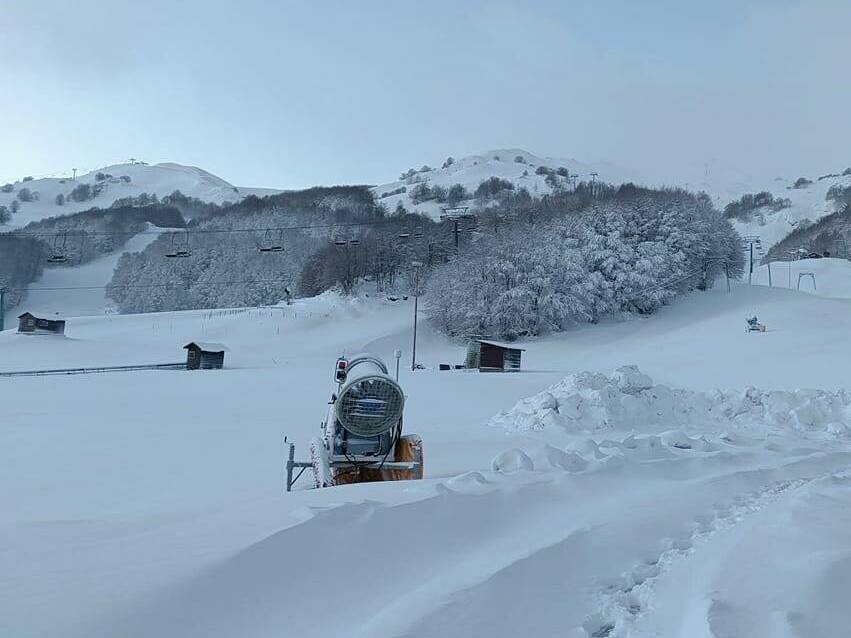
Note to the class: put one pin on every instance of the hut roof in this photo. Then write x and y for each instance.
(505, 346)
(52, 317)
(207, 346)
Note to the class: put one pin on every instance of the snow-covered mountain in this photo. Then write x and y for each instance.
(116, 182)
(512, 164)
(723, 182)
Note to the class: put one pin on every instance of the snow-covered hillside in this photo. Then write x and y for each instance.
(721, 181)
(149, 501)
(514, 165)
(806, 204)
(124, 180)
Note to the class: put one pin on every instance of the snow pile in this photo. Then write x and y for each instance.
(513, 460)
(629, 400)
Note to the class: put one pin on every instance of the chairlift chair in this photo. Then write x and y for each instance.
(58, 253)
(177, 250)
(272, 246)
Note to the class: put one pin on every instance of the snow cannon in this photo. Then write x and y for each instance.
(361, 437)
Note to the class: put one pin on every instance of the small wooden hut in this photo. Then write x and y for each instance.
(205, 355)
(492, 356)
(28, 323)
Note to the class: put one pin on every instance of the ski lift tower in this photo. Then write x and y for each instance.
(455, 214)
(751, 241)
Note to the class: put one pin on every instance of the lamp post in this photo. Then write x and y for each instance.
(416, 265)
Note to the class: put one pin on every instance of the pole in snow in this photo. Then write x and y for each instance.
(750, 268)
(416, 266)
(398, 355)
(2, 308)
(769, 274)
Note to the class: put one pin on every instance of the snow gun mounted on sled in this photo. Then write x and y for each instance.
(361, 439)
(754, 325)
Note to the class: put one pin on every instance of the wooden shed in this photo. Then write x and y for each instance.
(492, 356)
(28, 323)
(205, 355)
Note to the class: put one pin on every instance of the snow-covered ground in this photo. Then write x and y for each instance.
(152, 504)
(157, 179)
(825, 277)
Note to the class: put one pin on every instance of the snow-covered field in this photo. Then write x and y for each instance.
(703, 493)
(826, 277)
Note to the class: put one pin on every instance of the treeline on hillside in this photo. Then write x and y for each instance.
(89, 234)
(520, 266)
(629, 250)
(829, 235)
(21, 262)
(79, 238)
(743, 208)
(226, 266)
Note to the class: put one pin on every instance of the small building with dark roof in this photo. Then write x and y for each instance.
(28, 323)
(205, 355)
(493, 356)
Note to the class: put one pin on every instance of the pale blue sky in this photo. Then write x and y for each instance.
(291, 94)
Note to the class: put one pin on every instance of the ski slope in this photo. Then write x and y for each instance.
(151, 503)
(831, 277)
(46, 296)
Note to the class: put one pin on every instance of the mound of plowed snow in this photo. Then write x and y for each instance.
(629, 400)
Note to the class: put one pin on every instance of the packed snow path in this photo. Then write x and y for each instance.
(151, 503)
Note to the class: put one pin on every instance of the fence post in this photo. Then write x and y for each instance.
(290, 464)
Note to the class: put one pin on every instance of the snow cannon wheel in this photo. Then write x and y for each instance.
(322, 476)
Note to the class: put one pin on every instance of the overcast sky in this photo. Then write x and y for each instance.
(290, 94)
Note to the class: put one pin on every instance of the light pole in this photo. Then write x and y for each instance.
(416, 265)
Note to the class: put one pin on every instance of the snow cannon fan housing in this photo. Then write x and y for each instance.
(369, 404)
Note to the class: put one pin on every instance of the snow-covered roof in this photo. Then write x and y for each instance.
(507, 346)
(51, 316)
(208, 346)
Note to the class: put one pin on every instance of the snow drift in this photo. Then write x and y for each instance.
(628, 399)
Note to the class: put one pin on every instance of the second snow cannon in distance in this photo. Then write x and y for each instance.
(362, 436)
